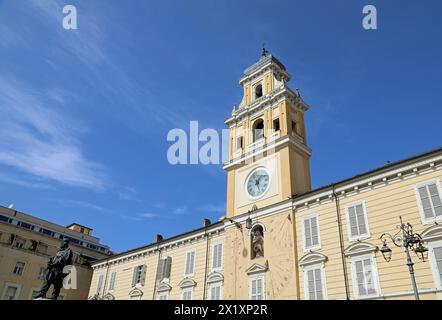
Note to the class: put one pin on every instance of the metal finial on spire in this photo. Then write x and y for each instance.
(265, 52)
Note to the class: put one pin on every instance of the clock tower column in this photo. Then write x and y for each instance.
(268, 155)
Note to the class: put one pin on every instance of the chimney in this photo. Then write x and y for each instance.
(207, 222)
(159, 238)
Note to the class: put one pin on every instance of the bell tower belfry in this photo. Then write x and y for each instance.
(268, 153)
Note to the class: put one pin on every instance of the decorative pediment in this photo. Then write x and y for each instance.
(215, 277)
(186, 283)
(257, 268)
(312, 258)
(135, 292)
(432, 233)
(109, 296)
(164, 287)
(360, 248)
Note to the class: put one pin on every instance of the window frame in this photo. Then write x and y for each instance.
(315, 266)
(112, 281)
(214, 244)
(140, 272)
(187, 290)
(255, 86)
(185, 263)
(259, 276)
(218, 284)
(433, 264)
(375, 275)
(100, 287)
(163, 294)
(313, 247)
(367, 225)
(23, 269)
(416, 187)
(10, 284)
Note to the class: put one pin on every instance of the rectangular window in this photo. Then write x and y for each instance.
(276, 125)
(239, 143)
(357, 221)
(217, 256)
(311, 232)
(112, 280)
(215, 291)
(100, 283)
(256, 288)
(294, 128)
(187, 294)
(20, 244)
(19, 268)
(364, 274)
(435, 255)
(190, 263)
(429, 195)
(314, 283)
(138, 275)
(42, 273)
(163, 296)
(11, 292)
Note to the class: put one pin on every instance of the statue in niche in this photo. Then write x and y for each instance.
(257, 240)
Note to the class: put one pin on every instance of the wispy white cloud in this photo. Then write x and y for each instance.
(180, 210)
(82, 204)
(213, 208)
(149, 215)
(128, 194)
(23, 182)
(38, 138)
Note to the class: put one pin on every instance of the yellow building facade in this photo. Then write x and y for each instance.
(27, 243)
(279, 239)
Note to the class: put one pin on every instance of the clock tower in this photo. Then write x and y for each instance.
(268, 152)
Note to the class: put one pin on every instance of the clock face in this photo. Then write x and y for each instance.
(257, 183)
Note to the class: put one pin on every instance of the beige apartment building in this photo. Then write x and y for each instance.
(281, 240)
(27, 243)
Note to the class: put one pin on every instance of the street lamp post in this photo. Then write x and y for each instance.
(410, 241)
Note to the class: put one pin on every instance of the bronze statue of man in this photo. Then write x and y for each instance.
(54, 274)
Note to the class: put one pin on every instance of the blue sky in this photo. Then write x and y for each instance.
(85, 114)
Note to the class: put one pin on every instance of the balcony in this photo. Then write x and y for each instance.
(256, 145)
(237, 153)
(275, 135)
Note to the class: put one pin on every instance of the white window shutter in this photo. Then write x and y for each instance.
(254, 289)
(190, 261)
(259, 289)
(112, 280)
(435, 199)
(100, 283)
(426, 202)
(361, 219)
(438, 258)
(307, 232)
(314, 226)
(311, 285)
(220, 255)
(318, 284)
(217, 255)
(167, 267)
(360, 278)
(353, 222)
(143, 275)
(134, 276)
(160, 270)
